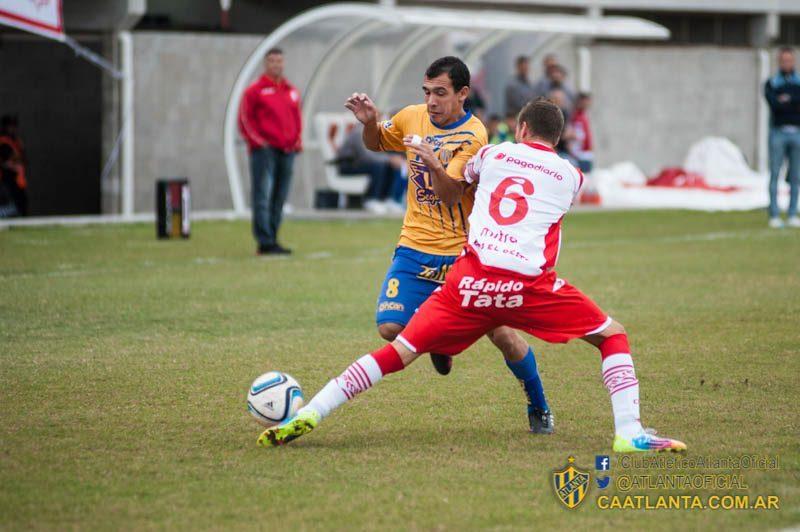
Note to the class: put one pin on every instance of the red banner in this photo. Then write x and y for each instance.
(37, 16)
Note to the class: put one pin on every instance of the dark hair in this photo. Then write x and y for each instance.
(521, 59)
(584, 96)
(544, 119)
(9, 120)
(455, 69)
(785, 50)
(274, 51)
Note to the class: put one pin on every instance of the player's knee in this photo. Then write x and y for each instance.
(614, 329)
(389, 331)
(509, 342)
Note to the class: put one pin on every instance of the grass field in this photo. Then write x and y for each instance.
(125, 363)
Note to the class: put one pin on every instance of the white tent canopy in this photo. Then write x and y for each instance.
(345, 25)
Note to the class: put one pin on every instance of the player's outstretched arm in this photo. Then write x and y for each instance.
(365, 112)
(448, 190)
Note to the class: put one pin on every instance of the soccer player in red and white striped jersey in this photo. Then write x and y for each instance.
(505, 277)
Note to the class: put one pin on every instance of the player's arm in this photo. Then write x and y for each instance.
(472, 170)
(448, 188)
(365, 112)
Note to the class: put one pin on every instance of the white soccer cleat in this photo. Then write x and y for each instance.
(647, 441)
(794, 221)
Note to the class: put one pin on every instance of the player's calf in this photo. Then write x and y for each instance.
(620, 379)
(441, 363)
(522, 363)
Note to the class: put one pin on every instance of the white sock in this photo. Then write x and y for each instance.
(360, 376)
(620, 379)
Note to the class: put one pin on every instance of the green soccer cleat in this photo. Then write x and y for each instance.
(646, 442)
(302, 423)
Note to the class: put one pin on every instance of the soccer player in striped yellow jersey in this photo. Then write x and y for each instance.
(439, 137)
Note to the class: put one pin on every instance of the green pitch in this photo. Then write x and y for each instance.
(124, 364)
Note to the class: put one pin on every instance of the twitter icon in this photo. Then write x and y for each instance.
(602, 483)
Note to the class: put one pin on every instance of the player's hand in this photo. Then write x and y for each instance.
(421, 149)
(362, 108)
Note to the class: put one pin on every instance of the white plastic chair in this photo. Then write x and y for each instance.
(331, 129)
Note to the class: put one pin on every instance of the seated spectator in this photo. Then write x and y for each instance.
(475, 103)
(501, 131)
(492, 127)
(580, 145)
(518, 89)
(8, 178)
(384, 169)
(555, 78)
(397, 196)
(18, 186)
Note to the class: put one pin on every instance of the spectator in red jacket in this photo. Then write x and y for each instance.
(580, 143)
(269, 120)
(16, 165)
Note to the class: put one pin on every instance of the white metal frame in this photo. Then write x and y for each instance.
(400, 62)
(341, 44)
(127, 118)
(436, 21)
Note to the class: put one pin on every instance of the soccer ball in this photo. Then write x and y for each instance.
(274, 397)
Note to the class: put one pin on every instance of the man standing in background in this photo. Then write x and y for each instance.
(270, 122)
(782, 92)
(580, 145)
(555, 79)
(519, 90)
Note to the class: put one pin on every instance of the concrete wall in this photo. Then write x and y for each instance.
(182, 84)
(652, 102)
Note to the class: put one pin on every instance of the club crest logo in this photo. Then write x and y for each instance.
(571, 484)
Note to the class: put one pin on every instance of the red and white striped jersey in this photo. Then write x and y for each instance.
(524, 190)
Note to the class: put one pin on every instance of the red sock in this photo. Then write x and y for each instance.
(388, 359)
(615, 345)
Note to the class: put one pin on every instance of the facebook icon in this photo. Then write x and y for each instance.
(602, 462)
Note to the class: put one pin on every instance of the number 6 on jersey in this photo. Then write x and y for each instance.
(520, 202)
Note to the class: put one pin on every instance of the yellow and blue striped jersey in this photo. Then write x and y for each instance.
(430, 226)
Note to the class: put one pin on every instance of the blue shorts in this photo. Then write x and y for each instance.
(411, 279)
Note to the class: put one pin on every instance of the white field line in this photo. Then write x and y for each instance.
(370, 254)
(692, 237)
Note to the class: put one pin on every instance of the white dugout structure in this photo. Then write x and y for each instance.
(332, 51)
(383, 50)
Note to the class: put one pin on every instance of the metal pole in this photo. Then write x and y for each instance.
(126, 58)
(762, 112)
